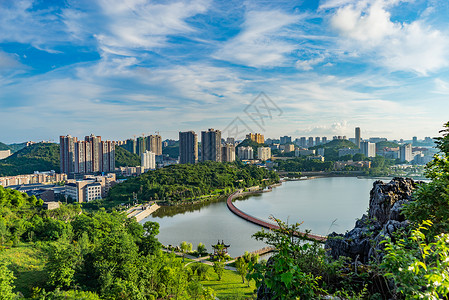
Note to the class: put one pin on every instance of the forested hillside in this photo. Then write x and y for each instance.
(125, 158)
(178, 182)
(36, 157)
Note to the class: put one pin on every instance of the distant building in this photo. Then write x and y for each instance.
(84, 157)
(392, 153)
(310, 142)
(357, 136)
(304, 152)
(315, 157)
(320, 151)
(230, 140)
(131, 145)
(339, 165)
(368, 149)
(154, 144)
(141, 145)
(90, 188)
(303, 142)
(37, 177)
(245, 153)
(405, 153)
(377, 139)
(414, 140)
(211, 145)
(264, 153)
(4, 153)
(148, 160)
(285, 139)
(324, 140)
(288, 148)
(256, 137)
(188, 147)
(317, 140)
(228, 153)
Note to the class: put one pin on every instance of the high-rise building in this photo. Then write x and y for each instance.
(357, 136)
(67, 153)
(154, 144)
(285, 139)
(228, 153)
(317, 140)
(368, 149)
(303, 142)
(131, 145)
(405, 153)
(230, 140)
(211, 145)
(148, 160)
(256, 137)
(188, 147)
(245, 153)
(141, 145)
(310, 143)
(415, 140)
(89, 156)
(264, 153)
(324, 140)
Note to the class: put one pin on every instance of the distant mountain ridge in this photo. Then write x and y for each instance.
(45, 157)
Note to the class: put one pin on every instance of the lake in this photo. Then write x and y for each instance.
(323, 205)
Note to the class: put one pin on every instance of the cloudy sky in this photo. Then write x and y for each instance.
(119, 68)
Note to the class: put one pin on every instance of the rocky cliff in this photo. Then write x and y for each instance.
(384, 217)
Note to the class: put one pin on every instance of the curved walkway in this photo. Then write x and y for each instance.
(265, 224)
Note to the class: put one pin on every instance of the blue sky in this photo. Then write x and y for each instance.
(119, 68)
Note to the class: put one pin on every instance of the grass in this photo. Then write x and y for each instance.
(230, 286)
(27, 262)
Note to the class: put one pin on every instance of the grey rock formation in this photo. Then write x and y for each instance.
(383, 219)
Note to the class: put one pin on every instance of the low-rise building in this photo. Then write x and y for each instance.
(304, 152)
(90, 188)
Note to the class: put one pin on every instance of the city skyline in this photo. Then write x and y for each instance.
(126, 67)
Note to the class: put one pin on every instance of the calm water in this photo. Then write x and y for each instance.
(324, 205)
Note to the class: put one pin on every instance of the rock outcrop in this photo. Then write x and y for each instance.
(384, 217)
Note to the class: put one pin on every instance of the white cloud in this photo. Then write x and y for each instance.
(308, 65)
(260, 43)
(121, 27)
(368, 28)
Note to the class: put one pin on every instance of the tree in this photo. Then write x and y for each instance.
(185, 248)
(201, 248)
(63, 259)
(6, 283)
(219, 269)
(242, 268)
(149, 244)
(431, 200)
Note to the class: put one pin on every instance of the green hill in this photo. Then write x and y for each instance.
(17, 147)
(125, 158)
(189, 181)
(336, 144)
(4, 147)
(37, 157)
(45, 157)
(383, 144)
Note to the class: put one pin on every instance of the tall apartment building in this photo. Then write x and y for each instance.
(264, 153)
(310, 142)
(148, 160)
(405, 153)
(154, 144)
(256, 137)
(368, 149)
(141, 145)
(228, 153)
(188, 147)
(245, 153)
(285, 139)
(131, 145)
(303, 142)
(211, 145)
(357, 136)
(317, 140)
(89, 156)
(324, 140)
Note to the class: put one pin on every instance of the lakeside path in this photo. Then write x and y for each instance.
(262, 223)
